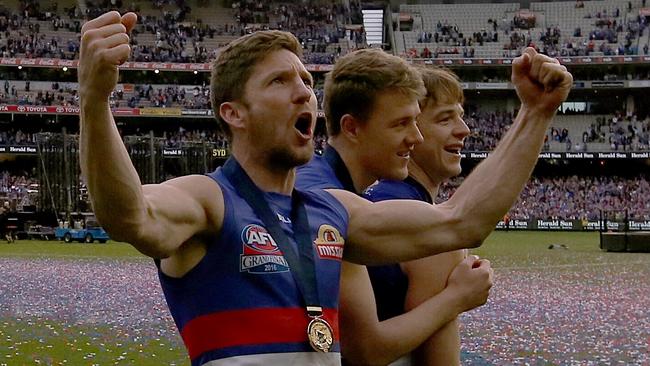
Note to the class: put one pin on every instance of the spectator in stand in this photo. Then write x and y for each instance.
(576, 197)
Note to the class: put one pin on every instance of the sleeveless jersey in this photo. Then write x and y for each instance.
(389, 283)
(240, 305)
(325, 171)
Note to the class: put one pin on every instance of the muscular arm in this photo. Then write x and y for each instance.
(427, 277)
(156, 219)
(367, 341)
(484, 197)
(542, 84)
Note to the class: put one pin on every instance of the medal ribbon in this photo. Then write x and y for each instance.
(301, 264)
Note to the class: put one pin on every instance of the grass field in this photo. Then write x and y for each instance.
(101, 304)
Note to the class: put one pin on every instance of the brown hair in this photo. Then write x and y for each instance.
(235, 63)
(356, 80)
(442, 85)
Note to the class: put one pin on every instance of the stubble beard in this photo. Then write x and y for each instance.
(281, 157)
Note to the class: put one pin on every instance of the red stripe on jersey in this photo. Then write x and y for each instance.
(250, 327)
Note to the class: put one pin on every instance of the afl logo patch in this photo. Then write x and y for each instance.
(258, 240)
(260, 253)
(329, 243)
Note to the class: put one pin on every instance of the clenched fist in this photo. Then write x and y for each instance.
(541, 82)
(471, 280)
(104, 46)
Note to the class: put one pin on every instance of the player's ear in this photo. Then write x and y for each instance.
(350, 127)
(233, 113)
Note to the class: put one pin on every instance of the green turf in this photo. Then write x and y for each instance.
(32, 341)
(56, 249)
(504, 249)
(29, 341)
(529, 249)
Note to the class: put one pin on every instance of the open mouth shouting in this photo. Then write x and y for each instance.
(304, 125)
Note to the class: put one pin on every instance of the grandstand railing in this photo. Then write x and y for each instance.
(206, 67)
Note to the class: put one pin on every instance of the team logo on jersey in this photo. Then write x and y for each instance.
(260, 252)
(329, 243)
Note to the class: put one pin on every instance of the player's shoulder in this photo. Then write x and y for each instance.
(316, 174)
(391, 189)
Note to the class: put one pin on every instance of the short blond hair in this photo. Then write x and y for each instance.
(235, 63)
(356, 80)
(442, 85)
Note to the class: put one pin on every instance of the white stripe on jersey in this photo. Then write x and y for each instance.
(284, 359)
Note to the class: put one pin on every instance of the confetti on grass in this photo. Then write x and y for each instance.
(580, 315)
(576, 316)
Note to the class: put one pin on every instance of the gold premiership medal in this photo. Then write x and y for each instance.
(320, 335)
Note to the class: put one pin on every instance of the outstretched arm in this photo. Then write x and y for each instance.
(542, 84)
(466, 219)
(367, 341)
(156, 219)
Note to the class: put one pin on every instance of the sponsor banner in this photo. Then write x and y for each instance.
(591, 225)
(634, 225)
(34, 109)
(508, 61)
(177, 152)
(174, 153)
(160, 111)
(67, 110)
(206, 67)
(515, 225)
(196, 112)
(125, 111)
(579, 155)
(608, 84)
(554, 224)
(26, 109)
(478, 154)
(551, 155)
(492, 86)
(572, 225)
(18, 149)
(612, 155)
(220, 153)
(570, 155)
(38, 62)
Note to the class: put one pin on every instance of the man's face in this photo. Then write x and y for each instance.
(444, 132)
(280, 110)
(388, 136)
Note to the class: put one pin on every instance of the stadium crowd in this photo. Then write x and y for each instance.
(17, 190)
(567, 197)
(626, 133)
(35, 32)
(575, 197)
